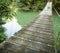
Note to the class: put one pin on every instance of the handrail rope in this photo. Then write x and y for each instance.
(56, 12)
(31, 40)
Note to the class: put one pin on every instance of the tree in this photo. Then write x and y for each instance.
(5, 12)
(56, 4)
(33, 5)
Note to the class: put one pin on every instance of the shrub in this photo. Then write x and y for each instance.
(5, 13)
(58, 42)
(31, 5)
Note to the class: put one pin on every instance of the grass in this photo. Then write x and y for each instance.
(25, 17)
(56, 26)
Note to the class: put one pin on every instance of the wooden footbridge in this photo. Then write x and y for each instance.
(36, 37)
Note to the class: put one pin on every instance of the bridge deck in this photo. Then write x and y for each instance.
(37, 37)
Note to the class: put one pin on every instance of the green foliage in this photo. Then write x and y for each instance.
(5, 12)
(5, 9)
(58, 42)
(34, 5)
(56, 26)
(2, 35)
(57, 4)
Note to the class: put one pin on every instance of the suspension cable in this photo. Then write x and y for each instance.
(56, 12)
